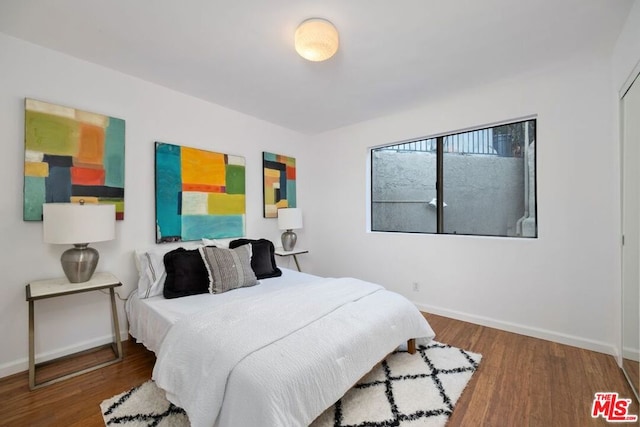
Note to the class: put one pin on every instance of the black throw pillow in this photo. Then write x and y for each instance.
(263, 262)
(186, 273)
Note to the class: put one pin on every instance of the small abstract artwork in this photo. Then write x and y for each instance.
(71, 155)
(279, 183)
(199, 194)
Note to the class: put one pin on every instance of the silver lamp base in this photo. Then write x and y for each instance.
(289, 240)
(79, 262)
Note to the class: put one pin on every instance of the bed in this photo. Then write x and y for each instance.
(275, 354)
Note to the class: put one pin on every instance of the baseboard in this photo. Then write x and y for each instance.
(22, 365)
(599, 346)
(631, 353)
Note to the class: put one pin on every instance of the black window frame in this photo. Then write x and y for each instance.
(439, 183)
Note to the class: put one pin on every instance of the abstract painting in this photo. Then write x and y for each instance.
(279, 183)
(199, 194)
(71, 155)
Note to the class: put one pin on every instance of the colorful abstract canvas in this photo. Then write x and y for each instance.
(71, 155)
(279, 183)
(199, 194)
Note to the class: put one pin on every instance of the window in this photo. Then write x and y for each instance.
(480, 182)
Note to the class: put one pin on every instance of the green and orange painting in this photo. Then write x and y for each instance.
(71, 155)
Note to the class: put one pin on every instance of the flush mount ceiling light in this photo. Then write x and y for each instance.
(316, 39)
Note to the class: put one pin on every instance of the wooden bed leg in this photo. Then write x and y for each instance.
(411, 346)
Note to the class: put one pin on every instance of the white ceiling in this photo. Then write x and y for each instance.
(393, 54)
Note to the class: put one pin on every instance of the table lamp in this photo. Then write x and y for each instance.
(78, 224)
(289, 219)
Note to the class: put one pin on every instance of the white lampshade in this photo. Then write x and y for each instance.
(71, 223)
(316, 39)
(289, 218)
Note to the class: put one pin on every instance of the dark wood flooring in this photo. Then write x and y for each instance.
(521, 381)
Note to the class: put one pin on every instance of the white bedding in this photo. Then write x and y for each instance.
(292, 362)
(151, 318)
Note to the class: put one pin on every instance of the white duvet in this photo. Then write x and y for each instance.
(281, 358)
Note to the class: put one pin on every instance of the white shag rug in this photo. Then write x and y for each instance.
(403, 390)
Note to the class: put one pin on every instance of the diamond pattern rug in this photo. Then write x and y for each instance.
(403, 390)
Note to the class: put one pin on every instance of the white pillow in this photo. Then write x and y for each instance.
(217, 243)
(151, 272)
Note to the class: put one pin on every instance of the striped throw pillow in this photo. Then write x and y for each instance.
(228, 268)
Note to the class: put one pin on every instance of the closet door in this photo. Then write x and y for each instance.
(631, 235)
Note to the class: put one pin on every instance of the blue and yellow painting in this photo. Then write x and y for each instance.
(199, 194)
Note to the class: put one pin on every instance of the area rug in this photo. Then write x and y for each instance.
(403, 390)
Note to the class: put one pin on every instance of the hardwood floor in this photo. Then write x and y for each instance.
(76, 401)
(633, 370)
(521, 381)
(525, 381)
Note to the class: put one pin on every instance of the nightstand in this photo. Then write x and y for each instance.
(293, 253)
(52, 288)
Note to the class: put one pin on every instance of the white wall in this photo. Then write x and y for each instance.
(152, 113)
(559, 286)
(626, 54)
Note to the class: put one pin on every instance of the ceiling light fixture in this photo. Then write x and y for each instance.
(316, 39)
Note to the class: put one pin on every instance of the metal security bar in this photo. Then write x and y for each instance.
(482, 141)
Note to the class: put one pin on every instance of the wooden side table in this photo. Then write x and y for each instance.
(294, 253)
(51, 288)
